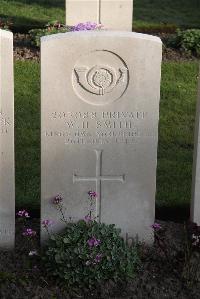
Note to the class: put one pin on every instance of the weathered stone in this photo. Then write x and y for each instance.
(117, 15)
(195, 204)
(82, 11)
(7, 186)
(113, 15)
(100, 111)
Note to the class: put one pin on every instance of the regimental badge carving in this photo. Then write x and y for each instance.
(100, 77)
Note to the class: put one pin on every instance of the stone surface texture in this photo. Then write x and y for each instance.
(100, 112)
(195, 204)
(112, 14)
(7, 186)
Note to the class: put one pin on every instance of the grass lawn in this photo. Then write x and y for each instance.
(177, 111)
(185, 13)
(177, 116)
(27, 133)
(28, 14)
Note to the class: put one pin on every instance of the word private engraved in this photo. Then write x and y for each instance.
(100, 83)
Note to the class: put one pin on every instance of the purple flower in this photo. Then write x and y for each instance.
(92, 194)
(93, 242)
(23, 213)
(29, 232)
(57, 199)
(98, 258)
(87, 218)
(156, 226)
(86, 26)
(47, 222)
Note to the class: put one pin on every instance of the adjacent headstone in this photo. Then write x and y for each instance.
(112, 14)
(117, 15)
(82, 11)
(7, 189)
(195, 205)
(100, 111)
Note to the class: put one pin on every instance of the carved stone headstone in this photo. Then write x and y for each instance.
(195, 205)
(113, 14)
(100, 111)
(7, 189)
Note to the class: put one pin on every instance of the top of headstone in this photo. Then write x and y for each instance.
(103, 33)
(5, 33)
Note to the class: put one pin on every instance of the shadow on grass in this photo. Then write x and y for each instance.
(177, 213)
(22, 24)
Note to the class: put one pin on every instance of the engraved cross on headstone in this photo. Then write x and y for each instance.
(98, 178)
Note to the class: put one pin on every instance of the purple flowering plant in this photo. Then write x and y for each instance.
(23, 214)
(92, 198)
(156, 226)
(29, 232)
(81, 253)
(57, 27)
(47, 223)
(86, 26)
(93, 242)
(88, 218)
(57, 201)
(92, 194)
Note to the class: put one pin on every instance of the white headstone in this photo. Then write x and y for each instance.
(112, 14)
(195, 205)
(7, 189)
(100, 111)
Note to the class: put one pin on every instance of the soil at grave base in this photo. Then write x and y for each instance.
(23, 50)
(23, 277)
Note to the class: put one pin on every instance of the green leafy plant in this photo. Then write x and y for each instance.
(88, 253)
(5, 24)
(51, 28)
(6, 276)
(186, 40)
